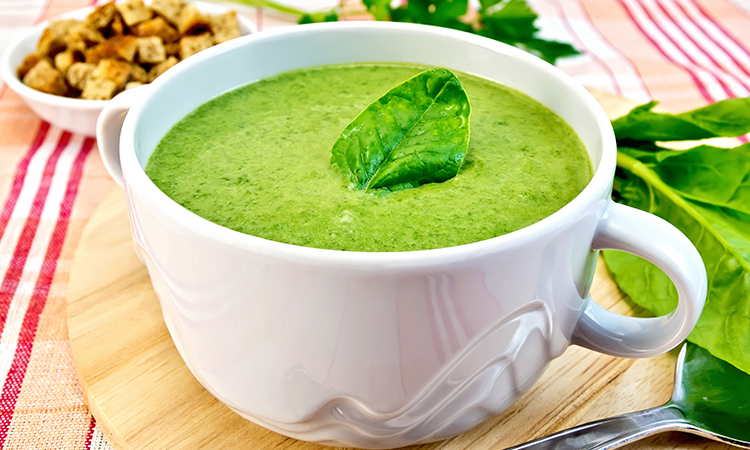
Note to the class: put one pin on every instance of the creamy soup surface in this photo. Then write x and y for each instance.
(257, 160)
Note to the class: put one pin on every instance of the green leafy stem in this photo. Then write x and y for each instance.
(508, 21)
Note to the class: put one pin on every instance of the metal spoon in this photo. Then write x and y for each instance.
(715, 415)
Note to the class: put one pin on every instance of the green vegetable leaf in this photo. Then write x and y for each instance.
(330, 16)
(441, 13)
(380, 9)
(727, 118)
(417, 133)
(714, 394)
(721, 235)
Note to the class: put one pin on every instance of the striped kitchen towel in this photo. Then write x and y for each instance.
(685, 53)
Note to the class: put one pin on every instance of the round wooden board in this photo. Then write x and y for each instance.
(143, 396)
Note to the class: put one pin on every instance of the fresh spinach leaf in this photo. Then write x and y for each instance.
(508, 21)
(417, 133)
(721, 236)
(727, 118)
(714, 394)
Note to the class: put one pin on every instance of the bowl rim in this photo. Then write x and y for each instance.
(136, 180)
(9, 75)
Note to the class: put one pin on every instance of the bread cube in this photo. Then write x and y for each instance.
(98, 89)
(117, 27)
(169, 9)
(81, 36)
(224, 26)
(173, 48)
(156, 27)
(123, 47)
(50, 43)
(138, 73)
(191, 21)
(28, 63)
(133, 12)
(114, 70)
(62, 26)
(162, 67)
(190, 45)
(132, 84)
(77, 74)
(64, 60)
(43, 77)
(101, 17)
(151, 50)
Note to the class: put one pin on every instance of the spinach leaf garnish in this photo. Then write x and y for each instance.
(416, 133)
(705, 192)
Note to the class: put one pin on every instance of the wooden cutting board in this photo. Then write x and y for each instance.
(143, 396)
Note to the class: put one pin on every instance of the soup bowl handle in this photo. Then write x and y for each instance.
(656, 240)
(109, 125)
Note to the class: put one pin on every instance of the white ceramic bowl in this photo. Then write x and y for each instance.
(72, 114)
(383, 350)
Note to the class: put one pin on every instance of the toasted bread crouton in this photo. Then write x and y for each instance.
(77, 74)
(132, 84)
(173, 48)
(190, 45)
(169, 9)
(43, 77)
(138, 73)
(98, 88)
(117, 46)
(151, 50)
(117, 27)
(62, 26)
(191, 21)
(157, 27)
(133, 12)
(224, 27)
(162, 67)
(81, 36)
(101, 17)
(50, 43)
(114, 70)
(28, 63)
(64, 60)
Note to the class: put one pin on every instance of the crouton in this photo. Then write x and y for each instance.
(117, 27)
(132, 84)
(77, 74)
(151, 50)
(190, 45)
(64, 60)
(162, 67)
(43, 77)
(156, 27)
(101, 17)
(191, 21)
(81, 36)
(50, 44)
(28, 63)
(98, 89)
(173, 48)
(113, 70)
(133, 12)
(62, 26)
(117, 46)
(169, 9)
(224, 27)
(138, 73)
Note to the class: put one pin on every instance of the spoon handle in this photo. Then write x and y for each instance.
(613, 432)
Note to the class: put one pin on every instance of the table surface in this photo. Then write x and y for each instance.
(684, 53)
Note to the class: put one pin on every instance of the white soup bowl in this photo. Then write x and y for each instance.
(385, 349)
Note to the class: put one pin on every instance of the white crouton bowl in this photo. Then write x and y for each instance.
(72, 114)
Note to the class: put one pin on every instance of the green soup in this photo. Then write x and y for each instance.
(257, 160)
